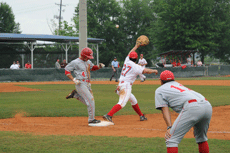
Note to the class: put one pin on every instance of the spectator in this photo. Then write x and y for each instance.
(163, 60)
(57, 65)
(14, 66)
(63, 64)
(179, 63)
(193, 65)
(115, 65)
(189, 59)
(174, 63)
(18, 64)
(28, 65)
(199, 63)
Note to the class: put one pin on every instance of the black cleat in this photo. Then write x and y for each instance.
(70, 95)
(143, 118)
(94, 121)
(143, 80)
(108, 118)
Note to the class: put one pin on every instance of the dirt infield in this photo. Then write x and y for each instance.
(12, 87)
(128, 125)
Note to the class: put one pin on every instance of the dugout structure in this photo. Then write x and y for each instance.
(180, 54)
(30, 40)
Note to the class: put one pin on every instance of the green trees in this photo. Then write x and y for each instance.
(202, 25)
(221, 11)
(8, 25)
(102, 16)
(191, 24)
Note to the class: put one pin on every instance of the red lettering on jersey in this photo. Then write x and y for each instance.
(126, 71)
(129, 67)
(185, 87)
(83, 74)
(124, 67)
(181, 90)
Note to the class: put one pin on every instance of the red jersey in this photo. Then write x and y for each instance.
(174, 64)
(28, 66)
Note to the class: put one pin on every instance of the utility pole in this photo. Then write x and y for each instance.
(59, 17)
(82, 25)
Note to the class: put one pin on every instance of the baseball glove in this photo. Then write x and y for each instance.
(101, 65)
(142, 41)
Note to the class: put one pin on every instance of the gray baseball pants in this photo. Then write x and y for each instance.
(85, 95)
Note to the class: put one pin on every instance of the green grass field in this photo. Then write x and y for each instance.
(51, 102)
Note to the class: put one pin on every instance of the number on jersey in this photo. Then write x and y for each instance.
(125, 70)
(181, 90)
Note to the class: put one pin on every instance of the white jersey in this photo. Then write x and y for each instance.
(142, 61)
(189, 60)
(130, 71)
(14, 66)
(174, 95)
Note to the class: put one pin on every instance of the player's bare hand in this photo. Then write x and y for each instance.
(76, 81)
(167, 134)
(156, 72)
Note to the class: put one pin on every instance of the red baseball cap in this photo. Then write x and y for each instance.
(166, 75)
(133, 55)
(87, 52)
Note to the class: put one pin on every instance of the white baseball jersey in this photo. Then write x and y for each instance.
(130, 71)
(142, 61)
(174, 95)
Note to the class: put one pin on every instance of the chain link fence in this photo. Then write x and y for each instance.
(52, 74)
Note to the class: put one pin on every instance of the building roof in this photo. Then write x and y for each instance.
(12, 37)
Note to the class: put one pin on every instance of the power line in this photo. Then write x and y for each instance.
(33, 9)
(59, 17)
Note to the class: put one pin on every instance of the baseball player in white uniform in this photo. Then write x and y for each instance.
(82, 67)
(193, 108)
(129, 73)
(142, 62)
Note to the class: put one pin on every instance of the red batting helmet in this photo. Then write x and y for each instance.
(133, 55)
(141, 55)
(87, 52)
(166, 75)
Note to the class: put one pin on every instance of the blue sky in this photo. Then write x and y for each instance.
(35, 16)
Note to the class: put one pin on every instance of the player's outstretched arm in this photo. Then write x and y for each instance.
(134, 48)
(149, 71)
(97, 67)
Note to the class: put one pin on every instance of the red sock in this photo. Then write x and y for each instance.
(115, 109)
(203, 147)
(172, 150)
(137, 109)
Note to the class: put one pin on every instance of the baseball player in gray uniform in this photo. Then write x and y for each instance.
(81, 68)
(193, 108)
